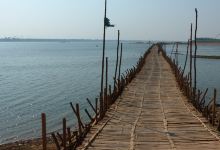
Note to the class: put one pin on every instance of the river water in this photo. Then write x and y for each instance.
(208, 70)
(38, 77)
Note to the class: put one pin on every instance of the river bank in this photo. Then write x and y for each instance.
(31, 144)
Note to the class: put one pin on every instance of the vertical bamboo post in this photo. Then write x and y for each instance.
(77, 114)
(64, 133)
(187, 53)
(190, 70)
(195, 54)
(106, 84)
(96, 109)
(78, 118)
(198, 98)
(116, 65)
(104, 101)
(213, 108)
(101, 105)
(176, 55)
(103, 54)
(110, 96)
(119, 72)
(218, 128)
(44, 131)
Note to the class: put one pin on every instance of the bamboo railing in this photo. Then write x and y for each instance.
(196, 97)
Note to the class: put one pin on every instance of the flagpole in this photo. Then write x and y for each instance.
(103, 63)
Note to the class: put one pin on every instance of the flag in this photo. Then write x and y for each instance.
(107, 23)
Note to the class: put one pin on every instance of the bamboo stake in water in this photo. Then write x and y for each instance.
(187, 52)
(64, 133)
(90, 117)
(195, 52)
(93, 108)
(100, 105)
(96, 109)
(106, 84)
(116, 66)
(44, 131)
(103, 55)
(190, 71)
(79, 119)
(213, 108)
(77, 113)
(119, 72)
(176, 55)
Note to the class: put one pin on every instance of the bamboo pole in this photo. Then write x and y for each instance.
(64, 133)
(79, 120)
(213, 108)
(116, 65)
(77, 113)
(190, 70)
(44, 131)
(202, 100)
(119, 72)
(103, 52)
(187, 53)
(106, 84)
(176, 55)
(218, 128)
(105, 101)
(110, 96)
(101, 105)
(172, 49)
(96, 109)
(93, 108)
(195, 54)
(90, 117)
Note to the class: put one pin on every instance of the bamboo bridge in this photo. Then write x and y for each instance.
(152, 113)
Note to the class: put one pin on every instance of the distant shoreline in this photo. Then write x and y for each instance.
(207, 57)
(212, 43)
(69, 40)
(45, 40)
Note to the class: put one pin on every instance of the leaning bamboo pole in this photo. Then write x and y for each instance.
(116, 64)
(103, 60)
(195, 79)
(190, 68)
(119, 72)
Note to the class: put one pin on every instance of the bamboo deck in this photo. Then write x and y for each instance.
(152, 113)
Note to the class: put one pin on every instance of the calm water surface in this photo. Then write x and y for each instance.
(208, 70)
(38, 77)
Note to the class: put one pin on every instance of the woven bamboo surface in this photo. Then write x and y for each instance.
(152, 113)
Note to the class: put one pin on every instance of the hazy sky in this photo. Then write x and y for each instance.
(137, 19)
